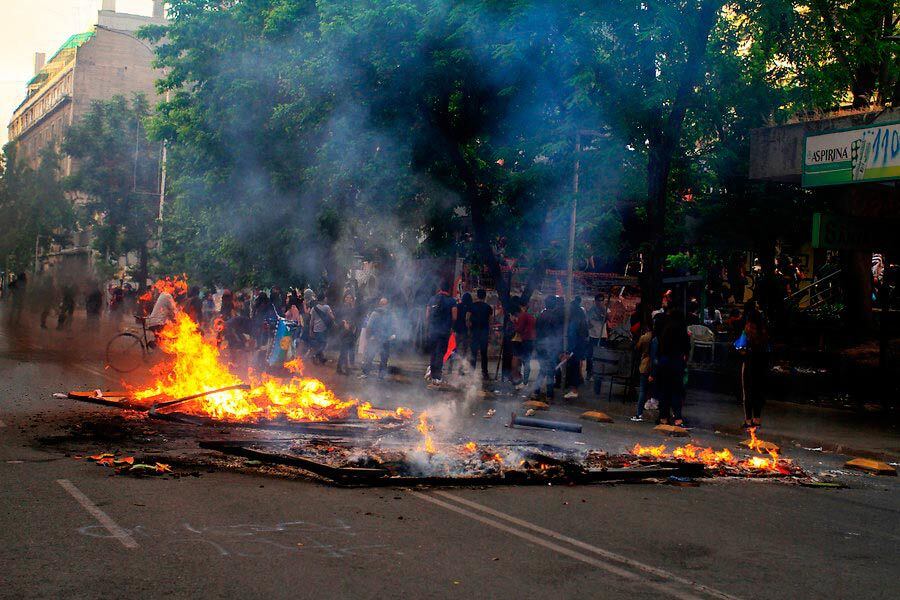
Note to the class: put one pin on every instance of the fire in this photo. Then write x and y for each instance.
(470, 447)
(294, 366)
(177, 286)
(651, 451)
(723, 457)
(425, 428)
(196, 367)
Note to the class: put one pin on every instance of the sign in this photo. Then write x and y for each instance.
(858, 155)
(835, 232)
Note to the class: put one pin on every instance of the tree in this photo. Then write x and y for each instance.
(33, 207)
(116, 171)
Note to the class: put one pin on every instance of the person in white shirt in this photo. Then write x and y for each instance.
(163, 312)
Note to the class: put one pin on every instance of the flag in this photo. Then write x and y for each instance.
(451, 346)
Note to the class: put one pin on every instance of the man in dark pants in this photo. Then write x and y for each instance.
(479, 321)
(440, 315)
(549, 343)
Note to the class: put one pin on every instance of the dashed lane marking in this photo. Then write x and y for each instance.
(104, 519)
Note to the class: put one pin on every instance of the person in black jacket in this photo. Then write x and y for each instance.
(440, 316)
(549, 345)
(674, 347)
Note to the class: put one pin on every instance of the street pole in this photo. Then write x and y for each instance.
(37, 241)
(162, 198)
(162, 191)
(570, 263)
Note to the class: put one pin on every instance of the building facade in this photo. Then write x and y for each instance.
(107, 61)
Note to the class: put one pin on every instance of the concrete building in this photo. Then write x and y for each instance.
(851, 161)
(106, 61)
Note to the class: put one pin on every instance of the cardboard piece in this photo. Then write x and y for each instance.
(596, 415)
(872, 466)
(672, 430)
(536, 405)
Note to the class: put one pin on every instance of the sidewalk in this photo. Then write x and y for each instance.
(867, 435)
(787, 423)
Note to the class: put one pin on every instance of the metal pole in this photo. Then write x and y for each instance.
(162, 197)
(37, 240)
(162, 190)
(570, 266)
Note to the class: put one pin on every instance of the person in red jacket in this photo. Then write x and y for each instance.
(523, 344)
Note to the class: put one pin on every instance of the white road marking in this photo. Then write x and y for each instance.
(103, 518)
(606, 554)
(92, 371)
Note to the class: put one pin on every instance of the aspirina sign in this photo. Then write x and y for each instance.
(854, 155)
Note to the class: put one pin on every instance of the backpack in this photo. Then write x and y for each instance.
(326, 318)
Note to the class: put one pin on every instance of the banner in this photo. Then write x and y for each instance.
(859, 155)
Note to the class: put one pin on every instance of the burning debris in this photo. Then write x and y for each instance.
(723, 462)
(196, 371)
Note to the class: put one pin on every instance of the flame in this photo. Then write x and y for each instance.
(177, 286)
(470, 447)
(196, 367)
(651, 451)
(295, 366)
(425, 428)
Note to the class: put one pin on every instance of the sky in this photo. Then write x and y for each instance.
(29, 26)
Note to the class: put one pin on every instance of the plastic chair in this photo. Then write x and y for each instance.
(702, 337)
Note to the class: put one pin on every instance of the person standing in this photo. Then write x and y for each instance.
(598, 315)
(348, 328)
(479, 323)
(523, 343)
(754, 364)
(321, 319)
(440, 316)
(549, 343)
(642, 350)
(461, 329)
(674, 347)
(380, 334)
(578, 341)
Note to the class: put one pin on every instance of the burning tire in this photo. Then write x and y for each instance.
(125, 352)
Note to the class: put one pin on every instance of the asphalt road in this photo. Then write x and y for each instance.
(69, 528)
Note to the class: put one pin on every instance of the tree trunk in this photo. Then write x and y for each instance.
(664, 141)
(143, 268)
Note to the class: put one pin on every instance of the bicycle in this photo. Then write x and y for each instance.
(127, 350)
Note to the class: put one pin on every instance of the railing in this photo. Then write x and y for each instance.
(819, 292)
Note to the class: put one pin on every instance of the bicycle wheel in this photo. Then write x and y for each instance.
(125, 352)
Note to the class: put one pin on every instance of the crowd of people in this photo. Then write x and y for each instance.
(459, 330)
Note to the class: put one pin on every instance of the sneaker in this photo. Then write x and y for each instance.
(427, 373)
(637, 419)
(363, 376)
(571, 396)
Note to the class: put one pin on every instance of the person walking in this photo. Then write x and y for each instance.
(754, 364)
(597, 315)
(440, 316)
(479, 322)
(674, 347)
(93, 301)
(380, 334)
